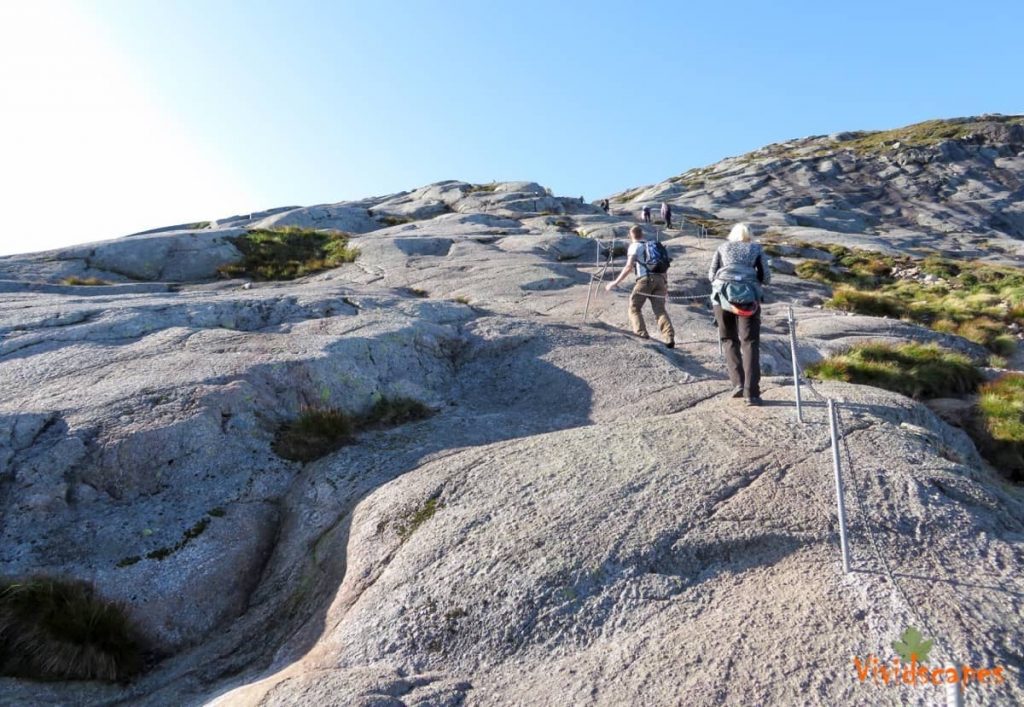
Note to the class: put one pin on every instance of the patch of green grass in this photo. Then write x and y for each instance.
(874, 304)
(916, 370)
(692, 179)
(388, 412)
(819, 271)
(998, 427)
(289, 252)
(929, 132)
(461, 299)
(475, 188)
(83, 281)
(55, 629)
(316, 432)
(627, 195)
(198, 226)
(389, 220)
(853, 266)
(715, 226)
(418, 518)
(995, 361)
(417, 292)
(974, 300)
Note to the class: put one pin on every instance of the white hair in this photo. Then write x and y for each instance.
(741, 232)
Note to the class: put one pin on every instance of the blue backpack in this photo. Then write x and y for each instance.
(656, 258)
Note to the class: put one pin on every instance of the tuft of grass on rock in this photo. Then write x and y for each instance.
(316, 432)
(289, 252)
(995, 361)
(56, 629)
(998, 426)
(474, 188)
(874, 304)
(418, 518)
(83, 281)
(388, 412)
(916, 370)
(389, 220)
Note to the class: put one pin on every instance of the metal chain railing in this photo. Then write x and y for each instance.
(873, 539)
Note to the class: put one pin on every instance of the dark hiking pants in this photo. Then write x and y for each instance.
(741, 339)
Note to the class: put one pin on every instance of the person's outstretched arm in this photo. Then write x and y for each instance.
(626, 270)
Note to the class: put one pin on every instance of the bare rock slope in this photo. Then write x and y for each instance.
(949, 185)
(585, 519)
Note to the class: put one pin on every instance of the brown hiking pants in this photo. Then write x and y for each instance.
(657, 285)
(741, 339)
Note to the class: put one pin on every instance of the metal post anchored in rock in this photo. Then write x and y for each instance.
(954, 695)
(796, 366)
(839, 486)
(590, 287)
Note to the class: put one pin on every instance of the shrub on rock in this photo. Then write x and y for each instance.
(54, 629)
(316, 432)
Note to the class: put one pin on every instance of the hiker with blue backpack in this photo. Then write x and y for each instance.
(649, 261)
(739, 271)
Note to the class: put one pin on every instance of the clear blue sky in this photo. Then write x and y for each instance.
(309, 102)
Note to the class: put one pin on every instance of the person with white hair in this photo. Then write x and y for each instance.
(739, 271)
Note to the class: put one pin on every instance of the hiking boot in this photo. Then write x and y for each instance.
(670, 344)
(754, 402)
(737, 392)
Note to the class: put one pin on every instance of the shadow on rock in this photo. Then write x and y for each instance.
(498, 387)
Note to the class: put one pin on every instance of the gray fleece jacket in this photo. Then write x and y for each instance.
(738, 256)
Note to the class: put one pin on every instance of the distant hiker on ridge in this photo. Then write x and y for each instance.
(666, 214)
(645, 214)
(649, 260)
(739, 270)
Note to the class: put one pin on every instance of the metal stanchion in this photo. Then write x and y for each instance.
(954, 695)
(839, 486)
(796, 367)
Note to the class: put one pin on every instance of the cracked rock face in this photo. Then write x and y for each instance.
(961, 195)
(586, 518)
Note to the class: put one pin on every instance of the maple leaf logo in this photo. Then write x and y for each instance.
(910, 646)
